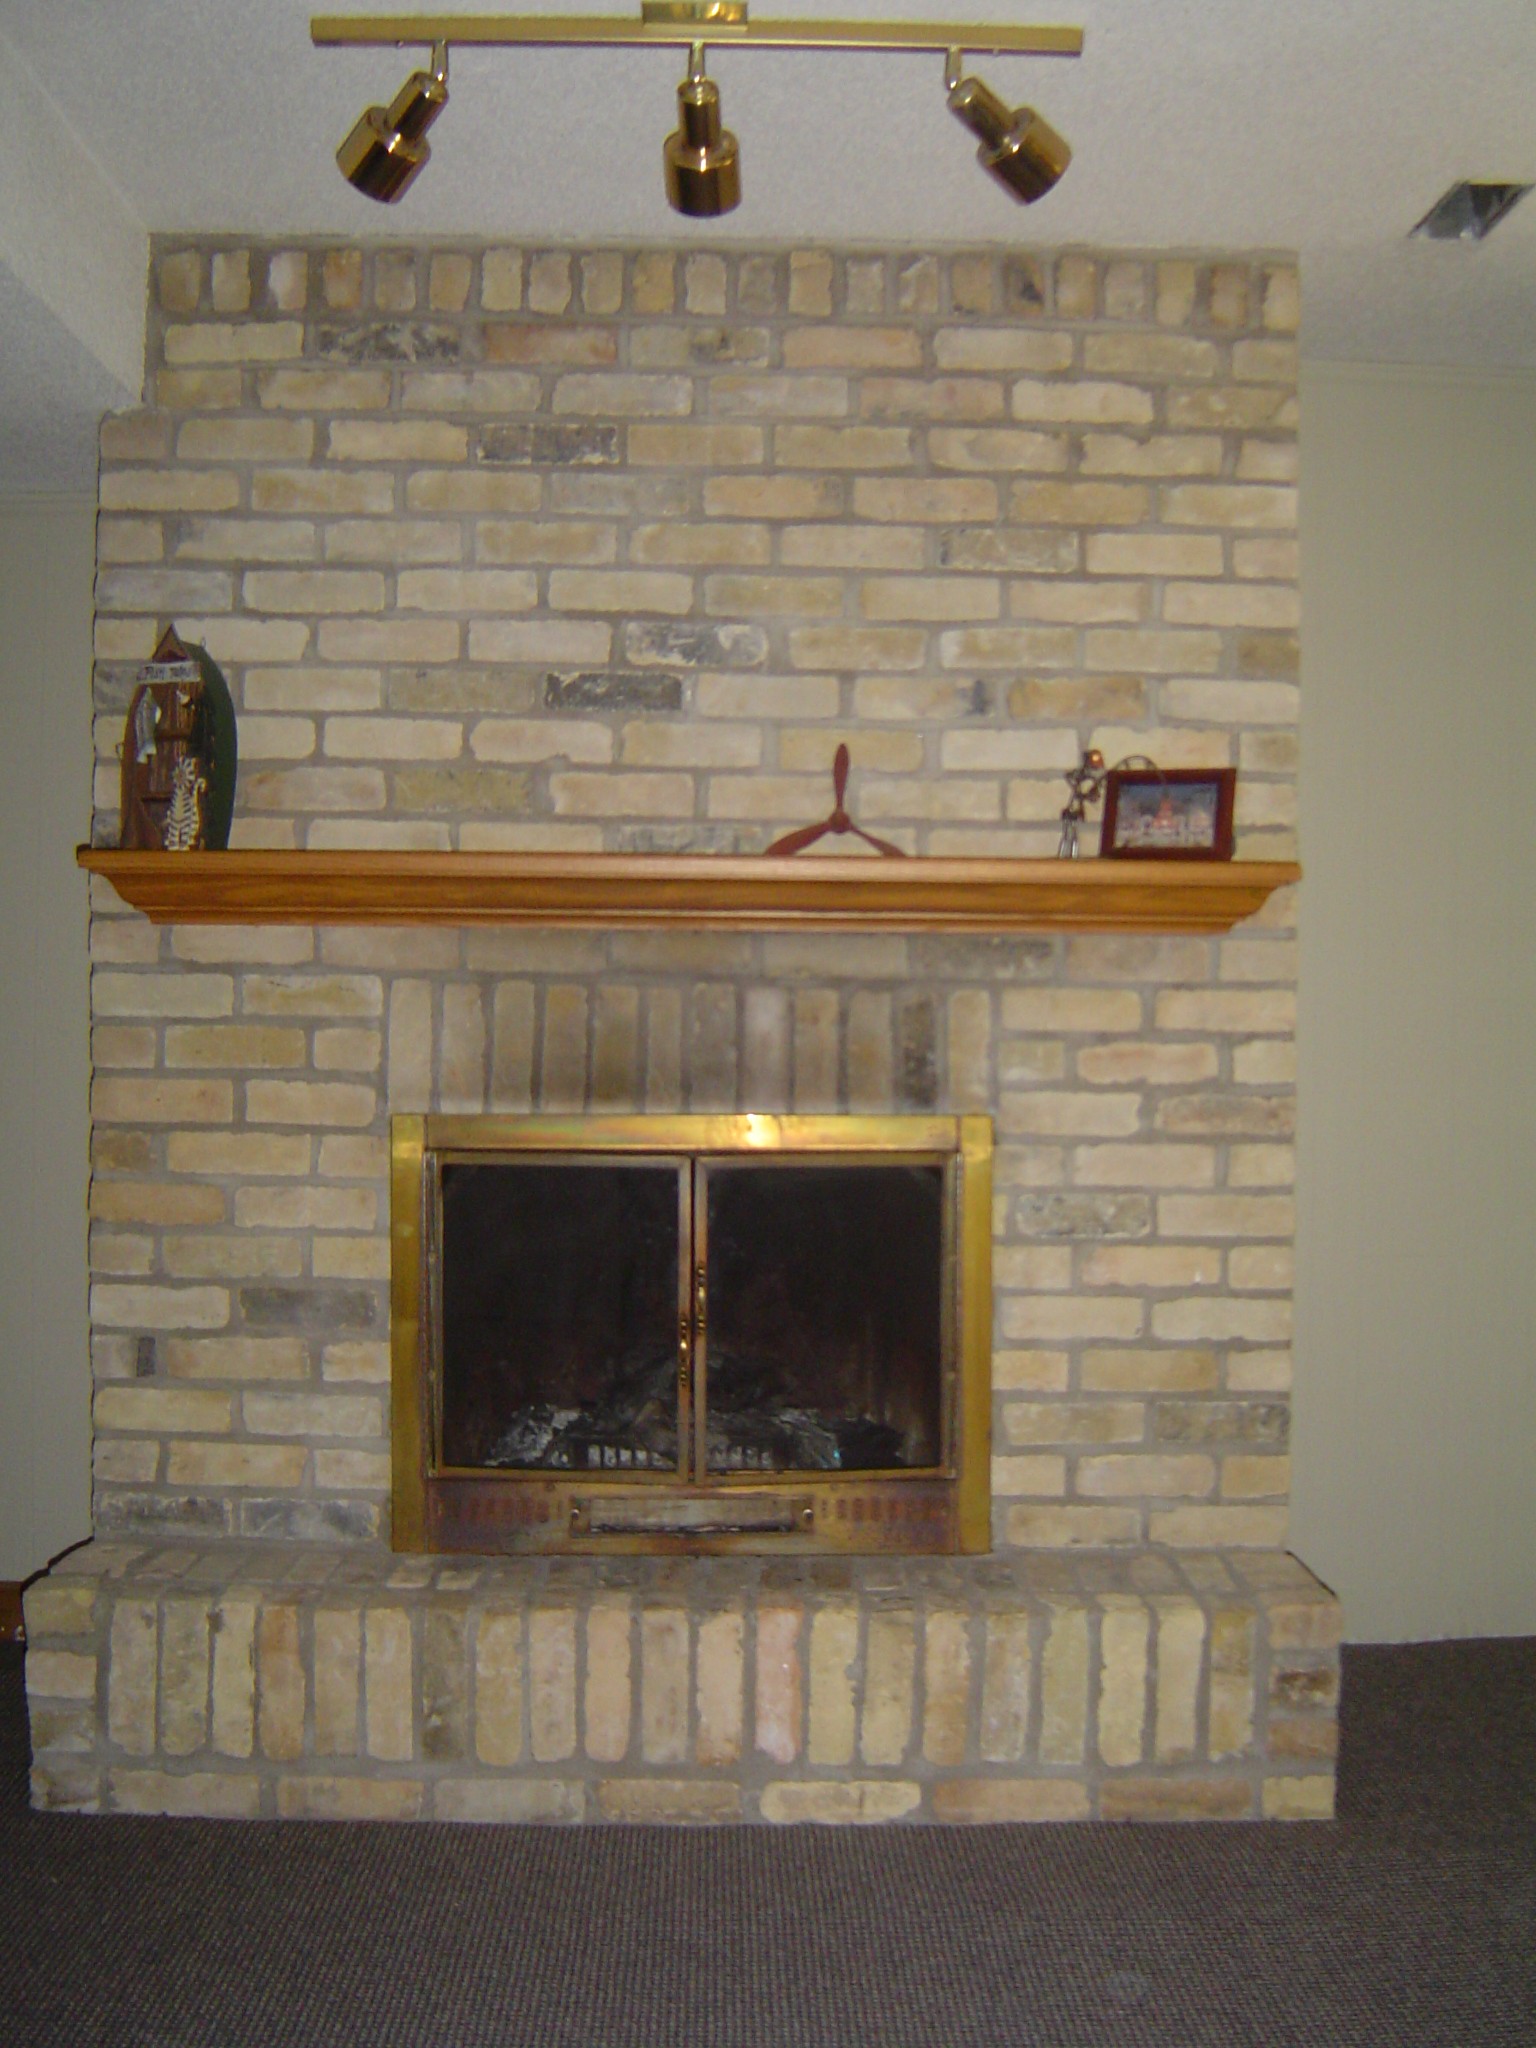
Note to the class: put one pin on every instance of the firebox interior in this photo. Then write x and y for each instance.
(822, 1335)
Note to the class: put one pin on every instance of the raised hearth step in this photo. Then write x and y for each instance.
(263, 1679)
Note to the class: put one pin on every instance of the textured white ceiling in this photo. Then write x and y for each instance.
(1326, 126)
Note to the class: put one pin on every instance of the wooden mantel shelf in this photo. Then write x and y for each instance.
(712, 891)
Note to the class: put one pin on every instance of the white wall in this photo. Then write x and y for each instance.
(1415, 1407)
(46, 550)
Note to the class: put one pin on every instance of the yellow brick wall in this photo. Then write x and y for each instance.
(611, 549)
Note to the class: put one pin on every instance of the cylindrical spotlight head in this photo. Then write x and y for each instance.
(379, 160)
(702, 160)
(388, 147)
(1023, 153)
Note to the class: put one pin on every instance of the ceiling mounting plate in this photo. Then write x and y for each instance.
(711, 14)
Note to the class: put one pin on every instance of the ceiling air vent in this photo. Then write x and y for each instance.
(1469, 212)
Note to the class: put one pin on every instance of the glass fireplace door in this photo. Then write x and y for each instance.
(814, 1339)
(561, 1295)
(823, 1330)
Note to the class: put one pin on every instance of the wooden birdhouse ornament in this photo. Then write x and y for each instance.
(178, 753)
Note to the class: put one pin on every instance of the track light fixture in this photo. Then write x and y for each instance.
(701, 159)
(389, 146)
(1023, 153)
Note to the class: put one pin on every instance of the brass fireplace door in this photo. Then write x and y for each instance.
(684, 1333)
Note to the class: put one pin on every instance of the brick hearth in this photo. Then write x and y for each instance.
(249, 1679)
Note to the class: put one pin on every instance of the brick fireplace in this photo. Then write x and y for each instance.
(580, 551)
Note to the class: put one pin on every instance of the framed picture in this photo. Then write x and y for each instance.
(1168, 814)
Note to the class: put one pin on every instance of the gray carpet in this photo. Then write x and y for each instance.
(1411, 1921)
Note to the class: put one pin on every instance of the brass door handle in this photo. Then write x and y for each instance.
(684, 1353)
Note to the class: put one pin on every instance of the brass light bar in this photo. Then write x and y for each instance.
(721, 22)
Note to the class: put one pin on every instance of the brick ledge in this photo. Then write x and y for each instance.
(249, 1680)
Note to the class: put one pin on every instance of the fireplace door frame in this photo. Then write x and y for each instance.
(942, 1509)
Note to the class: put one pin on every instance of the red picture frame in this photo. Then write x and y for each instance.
(1168, 814)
